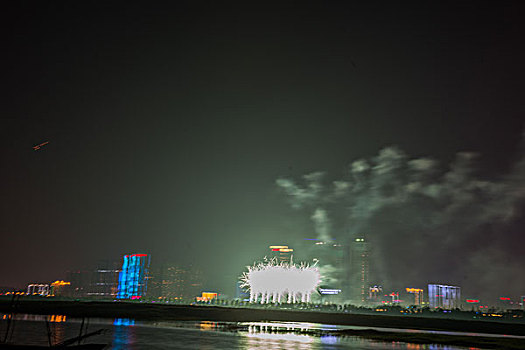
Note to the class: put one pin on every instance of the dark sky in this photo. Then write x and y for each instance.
(169, 125)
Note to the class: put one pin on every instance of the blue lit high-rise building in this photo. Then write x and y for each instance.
(133, 279)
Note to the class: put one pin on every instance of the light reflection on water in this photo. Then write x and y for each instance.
(260, 340)
(206, 335)
(56, 324)
(124, 322)
(329, 339)
(123, 335)
(208, 325)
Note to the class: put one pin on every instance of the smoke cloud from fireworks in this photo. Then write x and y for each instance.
(425, 221)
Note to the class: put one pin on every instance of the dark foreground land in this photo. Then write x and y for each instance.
(163, 312)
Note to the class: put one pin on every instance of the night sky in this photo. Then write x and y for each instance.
(175, 131)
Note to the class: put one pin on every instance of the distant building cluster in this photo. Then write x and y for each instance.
(344, 269)
(323, 272)
(277, 281)
(132, 278)
(345, 279)
(171, 282)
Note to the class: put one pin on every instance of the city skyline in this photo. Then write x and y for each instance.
(133, 278)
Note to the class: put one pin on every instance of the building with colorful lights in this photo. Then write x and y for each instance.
(282, 253)
(38, 289)
(358, 287)
(418, 295)
(59, 288)
(207, 296)
(444, 297)
(133, 279)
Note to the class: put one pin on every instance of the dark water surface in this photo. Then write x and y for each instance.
(129, 334)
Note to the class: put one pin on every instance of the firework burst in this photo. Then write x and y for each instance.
(270, 281)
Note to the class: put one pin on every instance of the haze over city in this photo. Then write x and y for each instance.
(201, 135)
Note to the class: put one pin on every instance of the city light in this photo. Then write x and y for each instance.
(271, 281)
(60, 283)
(414, 290)
(329, 291)
(207, 296)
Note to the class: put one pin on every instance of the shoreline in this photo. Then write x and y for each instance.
(163, 312)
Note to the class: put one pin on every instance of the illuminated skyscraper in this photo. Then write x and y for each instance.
(282, 253)
(418, 295)
(358, 270)
(134, 276)
(442, 296)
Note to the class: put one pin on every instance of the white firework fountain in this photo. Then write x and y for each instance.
(270, 281)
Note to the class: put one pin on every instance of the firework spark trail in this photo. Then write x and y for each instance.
(273, 282)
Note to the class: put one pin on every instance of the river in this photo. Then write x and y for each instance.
(127, 334)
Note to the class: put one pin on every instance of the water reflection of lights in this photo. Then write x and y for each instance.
(415, 346)
(207, 325)
(258, 340)
(329, 339)
(124, 322)
(291, 326)
(123, 334)
(412, 346)
(56, 318)
(56, 327)
(282, 336)
(38, 318)
(267, 335)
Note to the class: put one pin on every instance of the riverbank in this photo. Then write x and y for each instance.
(169, 312)
(161, 312)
